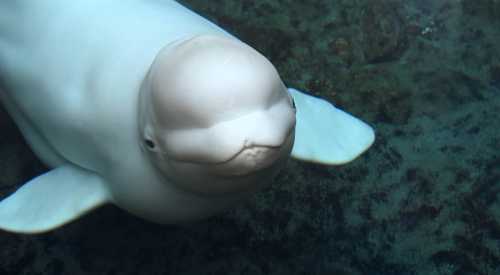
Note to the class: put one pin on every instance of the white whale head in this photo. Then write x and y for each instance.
(215, 116)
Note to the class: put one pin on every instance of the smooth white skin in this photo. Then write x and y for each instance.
(73, 89)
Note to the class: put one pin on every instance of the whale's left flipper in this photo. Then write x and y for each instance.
(52, 199)
(325, 134)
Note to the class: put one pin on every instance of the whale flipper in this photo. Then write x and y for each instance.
(325, 134)
(52, 199)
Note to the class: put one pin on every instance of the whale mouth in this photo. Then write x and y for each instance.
(249, 160)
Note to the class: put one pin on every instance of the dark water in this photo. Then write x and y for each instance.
(423, 200)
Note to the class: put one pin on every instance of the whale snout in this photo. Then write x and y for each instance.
(252, 159)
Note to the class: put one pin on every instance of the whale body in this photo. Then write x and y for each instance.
(151, 107)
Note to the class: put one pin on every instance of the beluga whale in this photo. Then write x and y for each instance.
(153, 108)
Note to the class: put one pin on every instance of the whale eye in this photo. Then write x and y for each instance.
(149, 143)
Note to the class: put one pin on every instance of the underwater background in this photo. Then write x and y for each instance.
(425, 199)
